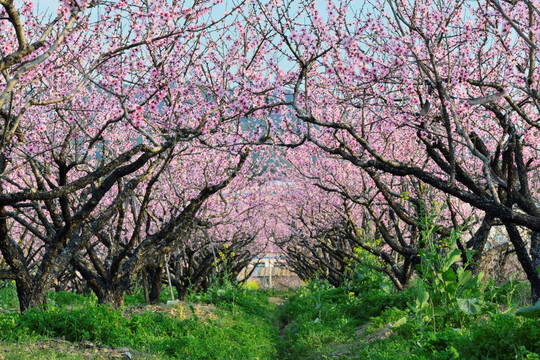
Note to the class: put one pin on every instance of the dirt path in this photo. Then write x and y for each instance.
(277, 300)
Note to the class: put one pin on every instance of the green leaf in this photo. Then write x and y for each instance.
(470, 306)
(480, 276)
(386, 288)
(449, 276)
(439, 311)
(464, 277)
(451, 258)
(451, 288)
(422, 297)
(399, 322)
(531, 312)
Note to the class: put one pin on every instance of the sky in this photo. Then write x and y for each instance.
(52, 4)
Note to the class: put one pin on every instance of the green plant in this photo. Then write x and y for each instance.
(251, 285)
(65, 298)
(390, 315)
(531, 312)
(8, 295)
(93, 323)
(445, 292)
(508, 295)
(318, 319)
(361, 275)
(239, 330)
(503, 337)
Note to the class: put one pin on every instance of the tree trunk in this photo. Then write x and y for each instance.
(144, 280)
(525, 260)
(181, 290)
(478, 242)
(113, 297)
(535, 249)
(28, 296)
(154, 280)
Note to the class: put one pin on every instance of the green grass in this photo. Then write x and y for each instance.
(320, 322)
(48, 349)
(8, 296)
(238, 325)
(229, 322)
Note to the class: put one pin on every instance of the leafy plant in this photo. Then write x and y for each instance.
(445, 292)
(8, 295)
(243, 330)
(509, 295)
(531, 312)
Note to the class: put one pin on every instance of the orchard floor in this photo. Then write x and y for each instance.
(62, 349)
(307, 324)
(58, 348)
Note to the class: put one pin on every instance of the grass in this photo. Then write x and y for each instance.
(8, 296)
(60, 349)
(320, 322)
(236, 325)
(228, 322)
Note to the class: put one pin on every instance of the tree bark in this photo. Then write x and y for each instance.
(535, 249)
(525, 260)
(154, 280)
(112, 296)
(144, 280)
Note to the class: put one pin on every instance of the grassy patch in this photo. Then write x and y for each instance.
(49, 349)
(228, 322)
(320, 322)
(8, 296)
(235, 325)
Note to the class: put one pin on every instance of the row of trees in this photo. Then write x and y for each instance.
(133, 134)
(433, 105)
(120, 122)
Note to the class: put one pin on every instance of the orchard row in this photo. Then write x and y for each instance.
(140, 137)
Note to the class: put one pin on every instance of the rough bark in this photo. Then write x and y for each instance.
(525, 260)
(112, 296)
(154, 281)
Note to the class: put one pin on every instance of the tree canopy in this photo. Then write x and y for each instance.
(141, 134)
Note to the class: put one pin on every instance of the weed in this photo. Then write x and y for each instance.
(445, 292)
(8, 295)
(241, 328)
(317, 322)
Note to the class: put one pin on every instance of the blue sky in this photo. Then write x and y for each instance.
(52, 4)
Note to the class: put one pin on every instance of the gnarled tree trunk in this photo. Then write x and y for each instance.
(154, 281)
